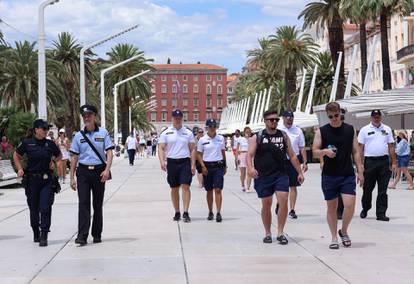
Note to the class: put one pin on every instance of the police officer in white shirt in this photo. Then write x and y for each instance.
(176, 145)
(377, 145)
(211, 154)
(297, 139)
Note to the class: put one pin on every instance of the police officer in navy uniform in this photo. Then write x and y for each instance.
(211, 154)
(91, 174)
(177, 158)
(41, 154)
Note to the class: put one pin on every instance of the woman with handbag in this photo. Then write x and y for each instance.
(38, 178)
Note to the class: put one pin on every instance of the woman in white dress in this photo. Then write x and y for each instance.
(63, 143)
(241, 155)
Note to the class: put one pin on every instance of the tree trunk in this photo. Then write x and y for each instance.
(124, 115)
(363, 47)
(386, 70)
(290, 87)
(336, 44)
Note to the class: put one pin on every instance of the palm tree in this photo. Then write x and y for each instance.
(384, 9)
(2, 41)
(66, 50)
(288, 52)
(137, 89)
(139, 117)
(326, 14)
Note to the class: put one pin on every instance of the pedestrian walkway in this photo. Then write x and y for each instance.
(141, 243)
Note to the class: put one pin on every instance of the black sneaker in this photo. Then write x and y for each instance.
(177, 216)
(186, 217)
(97, 240)
(383, 218)
(292, 214)
(210, 216)
(81, 241)
(267, 240)
(363, 214)
(218, 218)
(43, 239)
(36, 236)
(277, 208)
(282, 240)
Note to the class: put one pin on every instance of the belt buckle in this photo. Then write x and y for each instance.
(91, 167)
(45, 176)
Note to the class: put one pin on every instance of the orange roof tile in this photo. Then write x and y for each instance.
(187, 67)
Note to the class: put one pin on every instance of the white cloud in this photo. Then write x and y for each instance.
(285, 8)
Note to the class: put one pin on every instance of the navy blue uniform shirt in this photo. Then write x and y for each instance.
(39, 154)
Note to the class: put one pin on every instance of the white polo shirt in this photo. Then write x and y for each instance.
(211, 147)
(177, 142)
(131, 143)
(295, 134)
(375, 140)
(243, 143)
(235, 141)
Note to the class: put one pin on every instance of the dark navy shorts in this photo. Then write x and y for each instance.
(267, 186)
(179, 173)
(403, 161)
(333, 186)
(292, 174)
(214, 179)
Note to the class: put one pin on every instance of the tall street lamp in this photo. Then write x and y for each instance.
(41, 54)
(82, 61)
(115, 92)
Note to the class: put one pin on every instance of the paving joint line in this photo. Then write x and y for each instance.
(187, 281)
(294, 240)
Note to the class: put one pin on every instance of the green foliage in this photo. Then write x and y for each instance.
(19, 123)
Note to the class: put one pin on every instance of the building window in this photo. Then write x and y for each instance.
(219, 89)
(185, 116)
(195, 78)
(153, 89)
(174, 78)
(164, 89)
(218, 115)
(195, 102)
(185, 78)
(208, 101)
(195, 116)
(230, 90)
(208, 77)
(195, 89)
(396, 42)
(208, 90)
(174, 103)
(219, 101)
(153, 116)
(378, 69)
(185, 102)
(174, 89)
(219, 77)
(208, 115)
(185, 89)
(163, 78)
(164, 116)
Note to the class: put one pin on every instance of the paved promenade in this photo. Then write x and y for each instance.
(141, 243)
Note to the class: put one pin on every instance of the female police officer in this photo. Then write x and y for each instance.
(40, 195)
(211, 154)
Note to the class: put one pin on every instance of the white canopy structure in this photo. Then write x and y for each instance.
(397, 106)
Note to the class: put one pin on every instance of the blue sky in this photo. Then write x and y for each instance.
(210, 31)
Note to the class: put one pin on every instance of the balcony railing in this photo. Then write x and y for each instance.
(404, 52)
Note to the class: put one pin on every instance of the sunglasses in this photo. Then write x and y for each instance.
(272, 119)
(335, 115)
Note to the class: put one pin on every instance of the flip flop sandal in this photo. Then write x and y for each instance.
(282, 240)
(346, 241)
(391, 187)
(334, 245)
(267, 240)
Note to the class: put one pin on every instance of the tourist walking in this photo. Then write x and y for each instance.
(175, 151)
(200, 133)
(403, 158)
(211, 154)
(297, 139)
(377, 146)
(241, 152)
(149, 146)
(236, 137)
(154, 146)
(336, 143)
(131, 146)
(38, 178)
(269, 149)
(92, 149)
(63, 143)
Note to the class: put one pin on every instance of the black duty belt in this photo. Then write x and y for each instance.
(92, 167)
(177, 161)
(216, 164)
(385, 157)
(39, 174)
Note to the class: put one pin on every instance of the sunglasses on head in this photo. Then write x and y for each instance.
(272, 119)
(336, 115)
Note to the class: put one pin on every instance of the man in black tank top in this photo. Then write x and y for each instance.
(269, 148)
(336, 143)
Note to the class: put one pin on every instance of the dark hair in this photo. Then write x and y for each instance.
(333, 107)
(30, 133)
(237, 131)
(269, 112)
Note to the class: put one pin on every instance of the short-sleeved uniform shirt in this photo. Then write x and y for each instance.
(86, 156)
(211, 147)
(39, 154)
(296, 137)
(375, 140)
(176, 141)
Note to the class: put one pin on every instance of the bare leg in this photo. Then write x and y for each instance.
(175, 198)
(408, 175)
(267, 214)
(186, 197)
(397, 178)
(242, 176)
(249, 182)
(200, 180)
(293, 191)
(219, 199)
(332, 217)
(349, 209)
(210, 200)
(282, 200)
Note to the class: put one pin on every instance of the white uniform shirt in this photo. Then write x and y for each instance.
(375, 140)
(177, 142)
(243, 143)
(131, 143)
(295, 134)
(211, 147)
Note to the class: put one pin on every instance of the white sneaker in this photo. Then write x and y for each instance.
(249, 191)
(243, 189)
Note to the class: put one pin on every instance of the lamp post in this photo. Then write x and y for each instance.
(41, 55)
(103, 72)
(115, 92)
(82, 61)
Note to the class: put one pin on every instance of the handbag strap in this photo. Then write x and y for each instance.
(93, 147)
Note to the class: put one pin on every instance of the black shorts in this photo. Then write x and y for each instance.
(292, 174)
(198, 167)
(214, 179)
(333, 186)
(268, 185)
(179, 173)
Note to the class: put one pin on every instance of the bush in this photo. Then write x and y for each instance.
(19, 122)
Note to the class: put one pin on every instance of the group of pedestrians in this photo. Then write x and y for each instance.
(138, 144)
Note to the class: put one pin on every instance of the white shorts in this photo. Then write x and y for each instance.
(65, 154)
